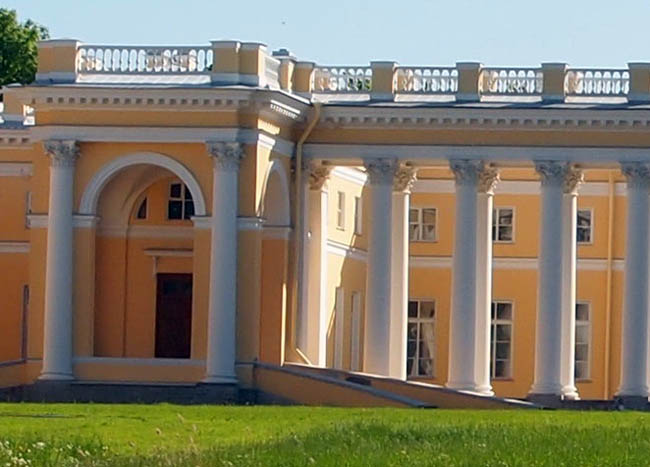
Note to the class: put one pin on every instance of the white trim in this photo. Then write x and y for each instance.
(512, 263)
(250, 223)
(140, 361)
(160, 231)
(435, 262)
(202, 222)
(16, 169)
(79, 221)
(516, 187)
(346, 251)
(350, 174)
(14, 247)
(94, 188)
(169, 252)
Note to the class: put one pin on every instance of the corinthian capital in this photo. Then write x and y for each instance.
(381, 171)
(636, 173)
(404, 178)
(552, 173)
(573, 179)
(225, 156)
(466, 172)
(317, 174)
(62, 152)
(488, 179)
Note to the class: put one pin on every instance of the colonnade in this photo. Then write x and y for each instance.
(469, 346)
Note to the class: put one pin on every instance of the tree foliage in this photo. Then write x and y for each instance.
(18, 48)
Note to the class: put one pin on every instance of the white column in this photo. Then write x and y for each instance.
(222, 311)
(569, 262)
(634, 372)
(548, 336)
(488, 178)
(404, 179)
(57, 332)
(469, 356)
(378, 275)
(313, 316)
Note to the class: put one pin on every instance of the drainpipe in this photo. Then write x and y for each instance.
(298, 259)
(608, 299)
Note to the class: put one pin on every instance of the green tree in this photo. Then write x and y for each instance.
(18, 48)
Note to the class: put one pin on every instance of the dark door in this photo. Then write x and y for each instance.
(173, 315)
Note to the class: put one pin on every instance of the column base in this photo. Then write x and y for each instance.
(631, 402)
(56, 377)
(219, 380)
(470, 387)
(570, 393)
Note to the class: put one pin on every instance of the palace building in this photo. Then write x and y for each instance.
(221, 220)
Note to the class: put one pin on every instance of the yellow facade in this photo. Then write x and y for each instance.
(118, 254)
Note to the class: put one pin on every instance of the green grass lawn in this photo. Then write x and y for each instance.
(150, 435)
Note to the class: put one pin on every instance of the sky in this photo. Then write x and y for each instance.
(348, 32)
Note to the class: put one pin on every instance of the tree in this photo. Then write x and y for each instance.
(18, 48)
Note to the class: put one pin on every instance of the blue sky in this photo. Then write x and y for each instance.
(413, 32)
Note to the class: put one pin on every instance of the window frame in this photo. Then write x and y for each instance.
(358, 215)
(417, 357)
(494, 323)
(495, 224)
(340, 210)
(182, 199)
(589, 326)
(420, 224)
(591, 226)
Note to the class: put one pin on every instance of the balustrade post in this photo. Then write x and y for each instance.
(57, 61)
(554, 75)
(383, 81)
(225, 62)
(302, 77)
(469, 75)
(639, 82)
(14, 110)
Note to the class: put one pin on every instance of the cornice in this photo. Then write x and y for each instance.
(15, 139)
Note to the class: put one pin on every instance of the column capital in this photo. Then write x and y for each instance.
(381, 171)
(317, 174)
(404, 178)
(466, 171)
(552, 173)
(488, 178)
(573, 179)
(636, 173)
(62, 152)
(225, 156)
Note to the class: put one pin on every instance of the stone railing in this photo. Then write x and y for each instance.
(102, 59)
(342, 79)
(511, 81)
(597, 82)
(426, 80)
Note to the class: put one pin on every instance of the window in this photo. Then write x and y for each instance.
(501, 340)
(422, 224)
(503, 225)
(142, 210)
(584, 223)
(583, 335)
(420, 348)
(358, 215)
(340, 211)
(180, 205)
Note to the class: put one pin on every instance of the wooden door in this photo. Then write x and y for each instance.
(173, 315)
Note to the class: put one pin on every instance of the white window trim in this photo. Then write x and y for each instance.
(495, 217)
(512, 341)
(435, 336)
(420, 223)
(591, 226)
(358, 215)
(340, 210)
(589, 339)
(182, 199)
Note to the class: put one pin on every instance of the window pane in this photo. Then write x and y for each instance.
(413, 309)
(505, 217)
(582, 312)
(501, 369)
(409, 367)
(414, 232)
(188, 194)
(582, 370)
(426, 367)
(426, 334)
(175, 190)
(493, 308)
(428, 232)
(429, 216)
(413, 331)
(583, 235)
(142, 210)
(502, 350)
(584, 218)
(175, 210)
(189, 209)
(504, 311)
(505, 233)
(582, 352)
(413, 215)
(503, 332)
(427, 309)
(582, 334)
(411, 349)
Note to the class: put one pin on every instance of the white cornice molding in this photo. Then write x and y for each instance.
(250, 223)
(14, 247)
(346, 251)
(439, 155)
(16, 169)
(350, 174)
(516, 187)
(169, 252)
(79, 221)
(15, 139)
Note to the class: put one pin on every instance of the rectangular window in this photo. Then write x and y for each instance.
(583, 336)
(422, 224)
(420, 334)
(358, 215)
(501, 340)
(340, 211)
(584, 226)
(503, 224)
(180, 204)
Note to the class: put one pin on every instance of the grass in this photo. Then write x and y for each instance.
(168, 435)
